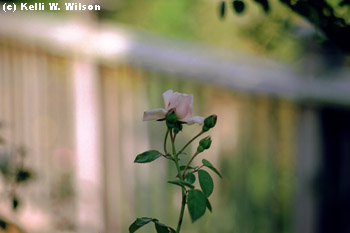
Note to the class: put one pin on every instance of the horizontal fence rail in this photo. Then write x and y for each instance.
(120, 44)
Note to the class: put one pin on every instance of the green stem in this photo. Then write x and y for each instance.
(194, 138)
(197, 169)
(165, 139)
(189, 162)
(183, 202)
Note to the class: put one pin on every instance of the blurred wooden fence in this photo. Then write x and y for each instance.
(73, 94)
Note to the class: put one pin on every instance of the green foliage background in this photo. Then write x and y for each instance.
(254, 31)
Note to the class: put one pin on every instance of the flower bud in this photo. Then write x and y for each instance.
(200, 149)
(205, 128)
(204, 144)
(178, 127)
(209, 122)
(171, 120)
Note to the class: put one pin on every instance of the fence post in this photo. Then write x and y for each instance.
(306, 169)
(88, 148)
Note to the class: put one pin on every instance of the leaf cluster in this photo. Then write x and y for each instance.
(14, 172)
(198, 200)
(328, 18)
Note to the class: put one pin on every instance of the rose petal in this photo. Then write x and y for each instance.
(195, 119)
(166, 97)
(184, 107)
(155, 114)
(174, 100)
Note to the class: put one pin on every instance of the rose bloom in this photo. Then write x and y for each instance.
(178, 102)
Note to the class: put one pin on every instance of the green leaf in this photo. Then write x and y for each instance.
(210, 166)
(147, 156)
(264, 4)
(222, 9)
(209, 205)
(181, 183)
(140, 222)
(161, 228)
(3, 224)
(23, 175)
(197, 203)
(238, 6)
(190, 178)
(15, 202)
(206, 182)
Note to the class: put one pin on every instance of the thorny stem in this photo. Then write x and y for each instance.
(183, 202)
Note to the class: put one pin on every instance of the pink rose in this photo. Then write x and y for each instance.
(180, 103)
